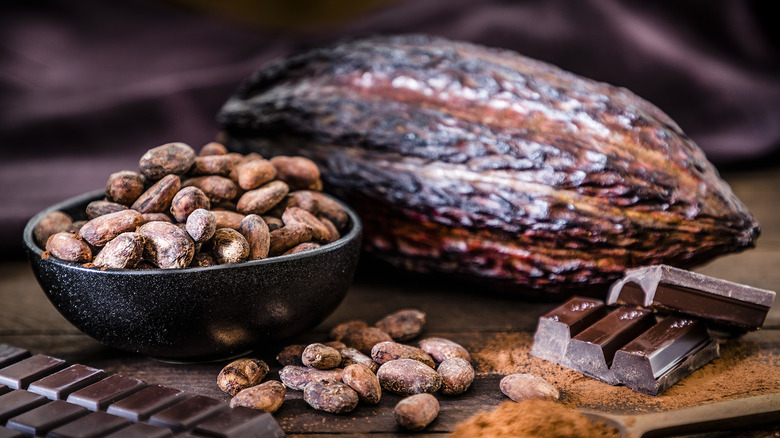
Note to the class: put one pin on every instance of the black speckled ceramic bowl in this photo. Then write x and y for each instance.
(196, 314)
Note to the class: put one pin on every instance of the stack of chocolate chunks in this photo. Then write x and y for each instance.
(42, 395)
(655, 328)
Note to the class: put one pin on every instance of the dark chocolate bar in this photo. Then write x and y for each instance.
(663, 355)
(123, 407)
(592, 350)
(557, 327)
(719, 302)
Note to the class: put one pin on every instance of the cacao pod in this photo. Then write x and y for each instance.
(463, 159)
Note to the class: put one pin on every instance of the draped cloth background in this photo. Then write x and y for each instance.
(87, 86)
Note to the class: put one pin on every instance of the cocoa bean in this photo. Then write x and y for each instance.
(386, 351)
(152, 217)
(519, 387)
(351, 356)
(456, 375)
(293, 216)
(166, 245)
(360, 378)
(303, 199)
(403, 325)
(302, 247)
(212, 165)
(99, 231)
(75, 227)
(333, 232)
(297, 172)
(285, 238)
(99, 208)
(50, 224)
(124, 187)
(291, 355)
(69, 247)
(256, 232)
(364, 339)
(229, 246)
(274, 223)
(241, 374)
(267, 396)
(320, 356)
(188, 200)
(331, 209)
(333, 397)
(228, 219)
(336, 344)
(408, 376)
(158, 197)
(202, 259)
(217, 188)
(201, 225)
(297, 377)
(122, 252)
(441, 348)
(213, 148)
(416, 412)
(262, 199)
(171, 158)
(254, 173)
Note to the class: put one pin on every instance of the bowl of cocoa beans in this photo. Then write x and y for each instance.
(197, 256)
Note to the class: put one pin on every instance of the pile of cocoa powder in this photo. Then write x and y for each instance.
(743, 369)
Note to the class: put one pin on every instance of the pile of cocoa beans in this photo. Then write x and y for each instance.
(355, 367)
(182, 209)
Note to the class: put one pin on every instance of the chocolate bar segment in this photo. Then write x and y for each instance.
(663, 355)
(142, 430)
(9, 355)
(16, 402)
(8, 433)
(555, 329)
(187, 413)
(60, 384)
(591, 352)
(240, 422)
(141, 405)
(22, 373)
(719, 302)
(45, 418)
(97, 396)
(93, 425)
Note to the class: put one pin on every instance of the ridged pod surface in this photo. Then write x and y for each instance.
(463, 159)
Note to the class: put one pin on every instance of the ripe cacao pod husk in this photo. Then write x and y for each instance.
(463, 159)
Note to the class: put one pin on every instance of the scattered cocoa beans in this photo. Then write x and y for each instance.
(297, 377)
(267, 396)
(291, 355)
(351, 356)
(456, 375)
(328, 396)
(440, 349)
(519, 387)
(321, 357)
(416, 412)
(360, 378)
(384, 352)
(241, 374)
(403, 325)
(171, 158)
(408, 376)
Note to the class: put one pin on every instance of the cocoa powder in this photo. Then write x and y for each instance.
(744, 369)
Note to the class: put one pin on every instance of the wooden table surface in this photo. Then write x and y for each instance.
(464, 314)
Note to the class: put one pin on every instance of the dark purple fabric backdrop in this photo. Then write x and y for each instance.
(87, 86)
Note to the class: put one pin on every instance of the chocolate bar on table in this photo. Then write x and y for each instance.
(721, 303)
(40, 397)
(557, 327)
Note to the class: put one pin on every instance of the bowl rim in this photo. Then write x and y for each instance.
(355, 232)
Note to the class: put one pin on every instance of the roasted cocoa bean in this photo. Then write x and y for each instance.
(302, 247)
(158, 197)
(228, 219)
(386, 351)
(360, 378)
(297, 377)
(212, 165)
(241, 374)
(256, 232)
(519, 387)
(364, 339)
(321, 357)
(152, 217)
(171, 158)
(213, 148)
(274, 223)
(293, 216)
(416, 412)
(297, 172)
(166, 245)
(303, 199)
(124, 187)
(202, 259)
(69, 247)
(336, 344)
(217, 188)
(441, 348)
(291, 355)
(267, 396)
(99, 231)
(285, 238)
(333, 232)
(408, 376)
(122, 252)
(331, 209)
(229, 246)
(255, 173)
(75, 227)
(403, 325)
(201, 225)
(188, 200)
(99, 208)
(333, 397)
(456, 375)
(262, 199)
(351, 356)
(50, 224)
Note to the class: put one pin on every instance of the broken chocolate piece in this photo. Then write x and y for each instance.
(592, 350)
(719, 302)
(664, 354)
(557, 327)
